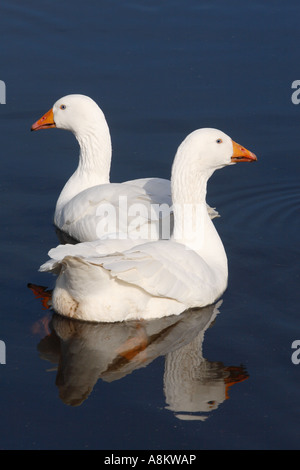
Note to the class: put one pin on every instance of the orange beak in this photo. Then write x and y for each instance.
(240, 154)
(45, 122)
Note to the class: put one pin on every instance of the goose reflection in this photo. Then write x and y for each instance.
(86, 352)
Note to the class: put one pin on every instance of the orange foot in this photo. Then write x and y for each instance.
(236, 374)
(42, 293)
(41, 327)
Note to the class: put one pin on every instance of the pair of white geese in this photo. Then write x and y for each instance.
(119, 279)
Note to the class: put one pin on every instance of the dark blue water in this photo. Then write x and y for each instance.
(158, 69)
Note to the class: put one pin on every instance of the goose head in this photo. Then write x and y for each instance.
(210, 149)
(76, 113)
(198, 156)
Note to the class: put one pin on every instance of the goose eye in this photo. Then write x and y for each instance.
(63, 106)
(219, 141)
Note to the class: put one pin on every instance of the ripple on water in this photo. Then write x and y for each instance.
(273, 208)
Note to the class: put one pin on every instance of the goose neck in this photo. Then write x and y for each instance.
(93, 168)
(192, 224)
(95, 154)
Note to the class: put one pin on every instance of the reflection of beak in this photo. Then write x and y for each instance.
(45, 122)
(240, 154)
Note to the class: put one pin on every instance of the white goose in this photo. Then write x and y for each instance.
(159, 278)
(80, 208)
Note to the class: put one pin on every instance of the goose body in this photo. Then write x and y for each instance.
(81, 207)
(117, 280)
